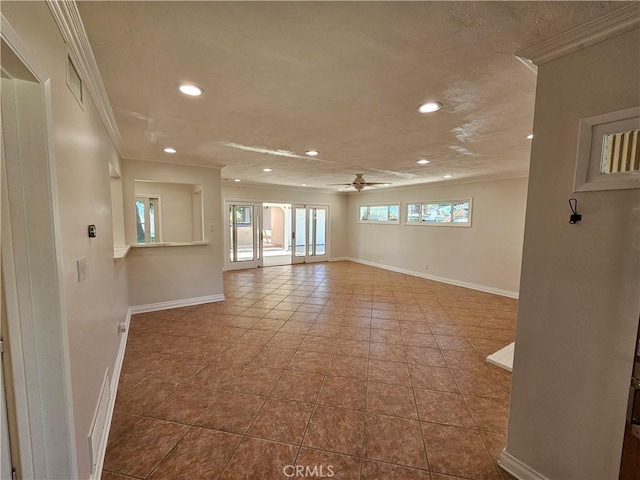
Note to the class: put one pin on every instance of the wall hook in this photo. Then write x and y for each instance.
(575, 216)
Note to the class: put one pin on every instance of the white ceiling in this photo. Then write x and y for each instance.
(343, 78)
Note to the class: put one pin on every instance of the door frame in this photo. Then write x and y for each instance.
(257, 237)
(306, 258)
(32, 272)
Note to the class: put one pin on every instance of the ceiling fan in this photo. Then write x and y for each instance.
(359, 183)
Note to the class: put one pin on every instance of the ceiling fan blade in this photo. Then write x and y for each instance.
(339, 184)
(377, 183)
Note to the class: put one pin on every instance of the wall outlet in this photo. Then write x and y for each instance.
(82, 268)
(211, 227)
(426, 267)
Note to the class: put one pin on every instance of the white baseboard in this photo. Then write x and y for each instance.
(153, 307)
(339, 259)
(450, 281)
(97, 474)
(518, 469)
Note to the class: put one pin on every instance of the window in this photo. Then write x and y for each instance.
(455, 213)
(147, 219)
(388, 213)
(244, 215)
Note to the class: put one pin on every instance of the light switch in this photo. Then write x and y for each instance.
(82, 268)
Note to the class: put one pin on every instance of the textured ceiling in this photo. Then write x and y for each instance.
(343, 78)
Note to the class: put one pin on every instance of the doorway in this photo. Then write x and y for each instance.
(264, 234)
(36, 373)
(244, 232)
(310, 225)
(276, 234)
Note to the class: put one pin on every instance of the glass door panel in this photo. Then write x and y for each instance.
(309, 232)
(320, 231)
(244, 235)
(299, 233)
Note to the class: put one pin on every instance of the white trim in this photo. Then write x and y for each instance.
(115, 378)
(597, 30)
(168, 244)
(57, 233)
(340, 259)
(518, 469)
(450, 281)
(69, 23)
(154, 307)
(503, 358)
(20, 49)
(29, 413)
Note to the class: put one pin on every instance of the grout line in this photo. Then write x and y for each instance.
(328, 287)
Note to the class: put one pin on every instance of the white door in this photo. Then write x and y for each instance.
(309, 231)
(244, 235)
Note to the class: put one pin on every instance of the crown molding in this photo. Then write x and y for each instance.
(612, 24)
(186, 163)
(67, 17)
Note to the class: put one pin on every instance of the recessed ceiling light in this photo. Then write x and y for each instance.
(170, 150)
(530, 136)
(448, 176)
(267, 170)
(311, 153)
(423, 161)
(304, 184)
(340, 189)
(429, 107)
(190, 89)
(236, 179)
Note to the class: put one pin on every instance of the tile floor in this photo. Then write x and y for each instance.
(337, 367)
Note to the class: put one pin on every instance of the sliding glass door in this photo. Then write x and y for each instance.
(309, 232)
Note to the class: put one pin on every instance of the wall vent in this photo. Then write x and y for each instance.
(621, 152)
(74, 82)
(99, 425)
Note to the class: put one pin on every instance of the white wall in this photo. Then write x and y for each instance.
(579, 301)
(82, 152)
(487, 255)
(163, 274)
(176, 208)
(337, 207)
(117, 211)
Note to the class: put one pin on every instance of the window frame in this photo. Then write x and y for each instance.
(147, 199)
(588, 176)
(452, 202)
(378, 222)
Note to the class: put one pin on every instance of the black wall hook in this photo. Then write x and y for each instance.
(575, 216)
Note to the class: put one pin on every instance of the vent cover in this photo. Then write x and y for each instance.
(99, 425)
(74, 82)
(621, 152)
